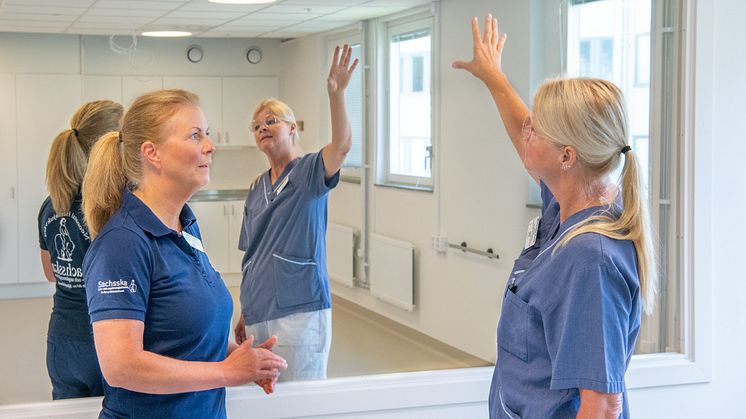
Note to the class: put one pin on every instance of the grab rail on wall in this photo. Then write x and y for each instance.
(489, 253)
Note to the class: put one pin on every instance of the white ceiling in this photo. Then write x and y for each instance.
(281, 19)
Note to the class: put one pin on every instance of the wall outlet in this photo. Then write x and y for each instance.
(439, 243)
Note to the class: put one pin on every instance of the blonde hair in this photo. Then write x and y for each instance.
(279, 109)
(68, 155)
(115, 159)
(589, 115)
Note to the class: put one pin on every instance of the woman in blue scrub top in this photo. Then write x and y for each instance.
(160, 312)
(285, 287)
(64, 239)
(572, 305)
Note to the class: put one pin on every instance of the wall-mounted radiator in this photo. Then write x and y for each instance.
(392, 271)
(340, 247)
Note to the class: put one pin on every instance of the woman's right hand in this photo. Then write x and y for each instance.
(246, 364)
(240, 330)
(486, 62)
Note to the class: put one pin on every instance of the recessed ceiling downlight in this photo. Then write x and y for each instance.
(167, 34)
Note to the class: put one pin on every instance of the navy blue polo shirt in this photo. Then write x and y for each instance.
(139, 269)
(283, 236)
(569, 319)
(66, 238)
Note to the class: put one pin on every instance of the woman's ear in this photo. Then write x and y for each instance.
(150, 154)
(568, 157)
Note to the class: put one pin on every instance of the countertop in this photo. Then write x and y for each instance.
(219, 195)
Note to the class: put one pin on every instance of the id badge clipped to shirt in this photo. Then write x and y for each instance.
(532, 232)
(193, 241)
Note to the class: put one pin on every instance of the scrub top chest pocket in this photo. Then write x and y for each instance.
(297, 280)
(512, 331)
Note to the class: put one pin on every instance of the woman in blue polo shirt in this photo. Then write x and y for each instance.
(64, 239)
(572, 305)
(160, 312)
(285, 288)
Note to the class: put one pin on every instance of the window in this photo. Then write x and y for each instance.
(406, 147)
(610, 39)
(354, 103)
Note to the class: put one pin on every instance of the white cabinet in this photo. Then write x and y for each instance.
(220, 225)
(8, 184)
(44, 105)
(134, 86)
(102, 88)
(240, 97)
(209, 90)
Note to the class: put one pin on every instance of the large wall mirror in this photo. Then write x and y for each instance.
(431, 165)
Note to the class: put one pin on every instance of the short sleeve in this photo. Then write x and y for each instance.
(587, 331)
(40, 225)
(117, 270)
(316, 175)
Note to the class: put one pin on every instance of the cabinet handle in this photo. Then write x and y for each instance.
(233, 209)
(218, 137)
(227, 139)
(225, 213)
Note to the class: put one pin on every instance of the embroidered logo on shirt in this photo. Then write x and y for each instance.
(116, 287)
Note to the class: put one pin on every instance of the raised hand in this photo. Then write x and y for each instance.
(267, 384)
(247, 363)
(488, 50)
(340, 71)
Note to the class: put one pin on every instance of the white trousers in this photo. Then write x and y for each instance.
(303, 339)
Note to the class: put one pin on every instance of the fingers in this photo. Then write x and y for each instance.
(268, 344)
(475, 32)
(459, 64)
(346, 54)
(501, 42)
(335, 57)
(493, 38)
(354, 65)
(249, 341)
(487, 29)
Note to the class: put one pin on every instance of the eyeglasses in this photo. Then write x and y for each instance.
(527, 129)
(268, 122)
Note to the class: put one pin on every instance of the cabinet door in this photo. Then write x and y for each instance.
(101, 88)
(44, 105)
(213, 224)
(234, 232)
(210, 97)
(8, 185)
(134, 86)
(240, 97)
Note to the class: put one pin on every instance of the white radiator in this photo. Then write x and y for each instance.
(392, 271)
(340, 246)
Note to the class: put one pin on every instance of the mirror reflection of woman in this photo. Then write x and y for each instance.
(160, 312)
(285, 288)
(572, 305)
(64, 240)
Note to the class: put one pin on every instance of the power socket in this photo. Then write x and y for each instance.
(439, 243)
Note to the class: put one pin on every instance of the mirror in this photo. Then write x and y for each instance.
(479, 190)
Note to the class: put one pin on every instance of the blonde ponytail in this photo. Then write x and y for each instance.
(589, 115)
(68, 155)
(104, 182)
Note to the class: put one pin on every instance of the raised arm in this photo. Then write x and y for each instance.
(126, 364)
(340, 72)
(486, 65)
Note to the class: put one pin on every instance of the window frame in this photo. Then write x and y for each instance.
(690, 235)
(386, 28)
(353, 174)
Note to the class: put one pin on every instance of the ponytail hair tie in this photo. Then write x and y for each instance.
(625, 149)
(120, 137)
(75, 131)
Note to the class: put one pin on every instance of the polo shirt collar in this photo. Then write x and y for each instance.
(147, 220)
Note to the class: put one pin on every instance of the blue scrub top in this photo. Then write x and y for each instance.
(569, 320)
(66, 238)
(139, 269)
(283, 236)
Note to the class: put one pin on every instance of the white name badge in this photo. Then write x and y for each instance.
(193, 241)
(532, 232)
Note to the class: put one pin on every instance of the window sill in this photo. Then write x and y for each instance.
(349, 179)
(406, 187)
(665, 369)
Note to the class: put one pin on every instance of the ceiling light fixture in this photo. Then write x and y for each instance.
(242, 1)
(167, 34)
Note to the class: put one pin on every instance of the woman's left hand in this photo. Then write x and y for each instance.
(340, 71)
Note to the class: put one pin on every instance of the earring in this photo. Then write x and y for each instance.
(566, 166)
